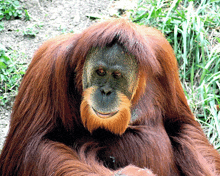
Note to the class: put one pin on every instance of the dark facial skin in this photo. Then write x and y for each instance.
(109, 71)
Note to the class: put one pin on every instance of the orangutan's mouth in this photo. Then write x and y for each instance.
(105, 115)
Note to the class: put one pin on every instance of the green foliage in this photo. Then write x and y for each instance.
(30, 32)
(10, 9)
(188, 26)
(2, 26)
(27, 16)
(11, 72)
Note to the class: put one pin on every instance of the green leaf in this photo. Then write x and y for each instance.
(2, 65)
(93, 16)
(218, 39)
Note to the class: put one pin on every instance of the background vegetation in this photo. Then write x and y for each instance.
(11, 70)
(193, 29)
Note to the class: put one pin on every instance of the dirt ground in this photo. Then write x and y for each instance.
(49, 18)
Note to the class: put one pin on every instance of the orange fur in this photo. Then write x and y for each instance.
(139, 89)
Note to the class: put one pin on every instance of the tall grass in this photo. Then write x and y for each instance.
(193, 29)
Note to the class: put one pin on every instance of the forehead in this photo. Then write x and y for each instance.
(112, 56)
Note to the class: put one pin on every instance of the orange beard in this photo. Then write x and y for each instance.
(116, 124)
